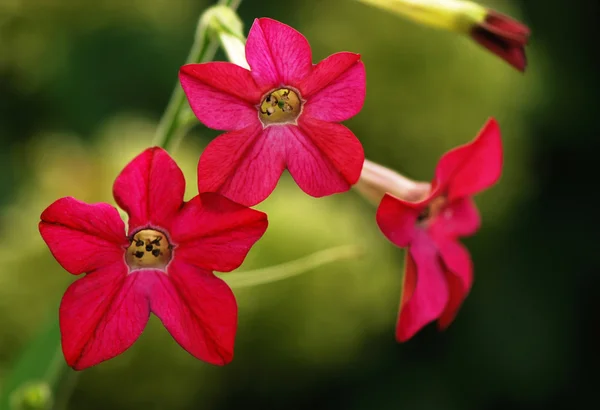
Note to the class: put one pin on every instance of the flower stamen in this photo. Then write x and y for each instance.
(149, 249)
(281, 106)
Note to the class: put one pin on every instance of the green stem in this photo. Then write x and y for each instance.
(171, 128)
(65, 388)
(293, 268)
(64, 380)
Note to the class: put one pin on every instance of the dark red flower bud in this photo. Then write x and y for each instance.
(503, 36)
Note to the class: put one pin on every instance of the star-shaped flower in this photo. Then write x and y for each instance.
(283, 113)
(163, 265)
(439, 273)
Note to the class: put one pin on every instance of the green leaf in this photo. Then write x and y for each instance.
(291, 269)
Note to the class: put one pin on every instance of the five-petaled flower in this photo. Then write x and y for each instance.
(504, 36)
(283, 113)
(439, 272)
(164, 265)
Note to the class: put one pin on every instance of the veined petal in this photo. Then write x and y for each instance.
(222, 95)
(331, 160)
(459, 218)
(430, 295)
(473, 167)
(242, 165)
(215, 233)
(311, 169)
(336, 89)
(397, 219)
(327, 71)
(102, 315)
(459, 275)
(277, 54)
(83, 237)
(150, 189)
(199, 311)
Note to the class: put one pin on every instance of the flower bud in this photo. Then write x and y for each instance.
(224, 23)
(32, 396)
(504, 37)
(497, 32)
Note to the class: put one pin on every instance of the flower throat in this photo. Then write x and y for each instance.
(149, 249)
(282, 106)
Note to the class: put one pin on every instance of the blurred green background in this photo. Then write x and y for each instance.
(82, 86)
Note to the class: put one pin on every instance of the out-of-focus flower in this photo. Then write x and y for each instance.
(439, 272)
(164, 264)
(283, 113)
(503, 36)
(499, 33)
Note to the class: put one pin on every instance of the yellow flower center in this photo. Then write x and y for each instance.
(149, 249)
(282, 106)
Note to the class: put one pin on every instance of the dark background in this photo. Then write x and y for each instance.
(82, 86)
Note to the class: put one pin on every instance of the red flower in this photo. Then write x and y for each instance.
(439, 272)
(284, 113)
(503, 36)
(164, 265)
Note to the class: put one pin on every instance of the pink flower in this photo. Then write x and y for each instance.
(163, 265)
(439, 272)
(284, 113)
(504, 36)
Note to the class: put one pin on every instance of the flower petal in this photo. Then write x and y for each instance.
(277, 54)
(459, 275)
(83, 237)
(508, 50)
(473, 167)
(409, 281)
(102, 315)
(503, 36)
(430, 295)
(198, 309)
(215, 233)
(324, 158)
(459, 218)
(150, 189)
(242, 165)
(222, 95)
(327, 71)
(507, 26)
(313, 172)
(397, 219)
(336, 89)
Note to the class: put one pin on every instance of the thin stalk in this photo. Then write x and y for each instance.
(171, 128)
